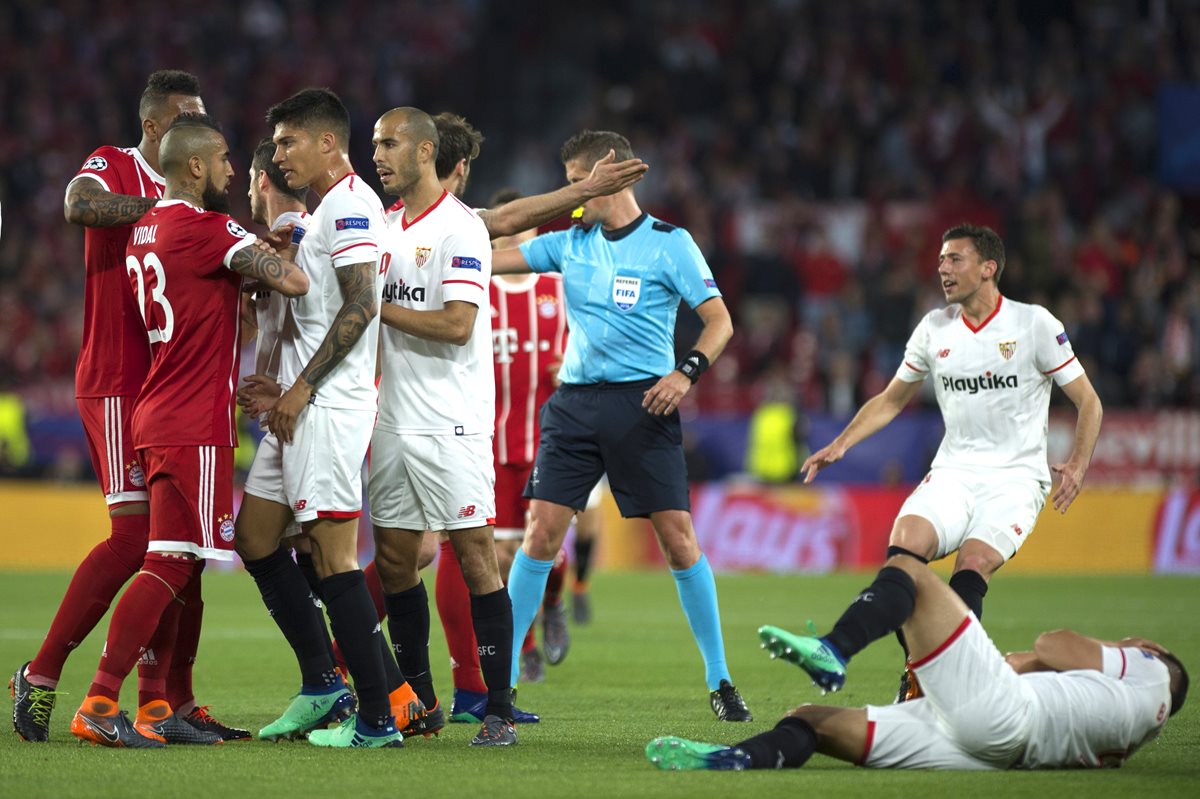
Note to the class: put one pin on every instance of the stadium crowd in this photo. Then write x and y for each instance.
(816, 151)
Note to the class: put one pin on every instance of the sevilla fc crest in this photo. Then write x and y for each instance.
(1007, 349)
(423, 255)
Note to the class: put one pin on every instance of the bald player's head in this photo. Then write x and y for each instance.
(406, 147)
(195, 161)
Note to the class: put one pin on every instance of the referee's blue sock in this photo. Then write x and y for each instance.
(526, 586)
(698, 595)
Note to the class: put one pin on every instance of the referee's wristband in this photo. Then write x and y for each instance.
(693, 365)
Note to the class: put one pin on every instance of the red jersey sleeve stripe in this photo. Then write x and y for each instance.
(862, 761)
(1055, 369)
(352, 246)
(954, 636)
(910, 366)
(468, 282)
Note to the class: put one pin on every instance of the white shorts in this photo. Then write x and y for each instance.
(976, 712)
(424, 482)
(318, 475)
(963, 505)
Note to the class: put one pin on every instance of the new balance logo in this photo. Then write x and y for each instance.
(466, 512)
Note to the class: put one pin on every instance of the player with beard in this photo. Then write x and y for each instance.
(185, 260)
(112, 190)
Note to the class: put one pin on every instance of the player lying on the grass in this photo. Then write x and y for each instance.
(1071, 702)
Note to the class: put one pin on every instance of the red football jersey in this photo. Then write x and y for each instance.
(113, 358)
(177, 262)
(529, 334)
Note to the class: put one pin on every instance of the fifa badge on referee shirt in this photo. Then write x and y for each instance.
(626, 291)
(1007, 349)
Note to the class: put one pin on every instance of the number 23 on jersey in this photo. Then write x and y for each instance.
(160, 322)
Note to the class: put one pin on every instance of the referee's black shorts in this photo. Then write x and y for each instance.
(588, 430)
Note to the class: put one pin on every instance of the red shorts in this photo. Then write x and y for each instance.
(511, 504)
(191, 500)
(106, 422)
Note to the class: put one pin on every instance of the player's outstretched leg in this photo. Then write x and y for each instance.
(789, 744)
(878, 610)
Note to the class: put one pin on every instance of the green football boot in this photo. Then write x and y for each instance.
(309, 711)
(679, 754)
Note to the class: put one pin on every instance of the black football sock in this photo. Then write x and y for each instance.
(892, 551)
(491, 615)
(789, 745)
(880, 609)
(583, 559)
(408, 623)
(294, 609)
(393, 677)
(356, 627)
(971, 588)
(305, 562)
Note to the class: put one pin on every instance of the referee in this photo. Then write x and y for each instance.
(624, 273)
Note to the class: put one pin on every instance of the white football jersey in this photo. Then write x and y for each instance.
(345, 229)
(1091, 719)
(992, 383)
(271, 313)
(431, 387)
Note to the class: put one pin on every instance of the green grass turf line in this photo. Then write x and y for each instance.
(630, 676)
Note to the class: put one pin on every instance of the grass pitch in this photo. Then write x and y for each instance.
(631, 675)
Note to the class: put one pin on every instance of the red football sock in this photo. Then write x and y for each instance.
(530, 642)
(136, 619)
(187, 642)
(558, 575)
(454, 607)
(97, 580)
(375, 588)
(155, 662)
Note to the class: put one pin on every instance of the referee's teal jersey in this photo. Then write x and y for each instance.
(623, 289)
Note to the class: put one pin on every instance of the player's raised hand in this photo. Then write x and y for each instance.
(609, 176)
(826, 456)
(258, 393)
(665, 395)
(287, 409)
(1070, 482)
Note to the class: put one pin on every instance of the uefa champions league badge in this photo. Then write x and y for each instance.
(133, 470)
(225, 527)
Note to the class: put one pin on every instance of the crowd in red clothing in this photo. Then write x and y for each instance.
(814, 150)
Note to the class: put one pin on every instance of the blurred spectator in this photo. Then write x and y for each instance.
(815, 150)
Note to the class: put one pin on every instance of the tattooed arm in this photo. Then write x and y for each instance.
(270, 269)
(91, 205)
(360, 304)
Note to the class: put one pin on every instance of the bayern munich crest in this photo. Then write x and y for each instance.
(547, 306)
(422, 255)
(1008, 349)
(225, 528)
(134, 472)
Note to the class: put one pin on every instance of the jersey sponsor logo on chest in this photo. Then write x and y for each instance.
(402, 292)
(626, 291)
(984, 382)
